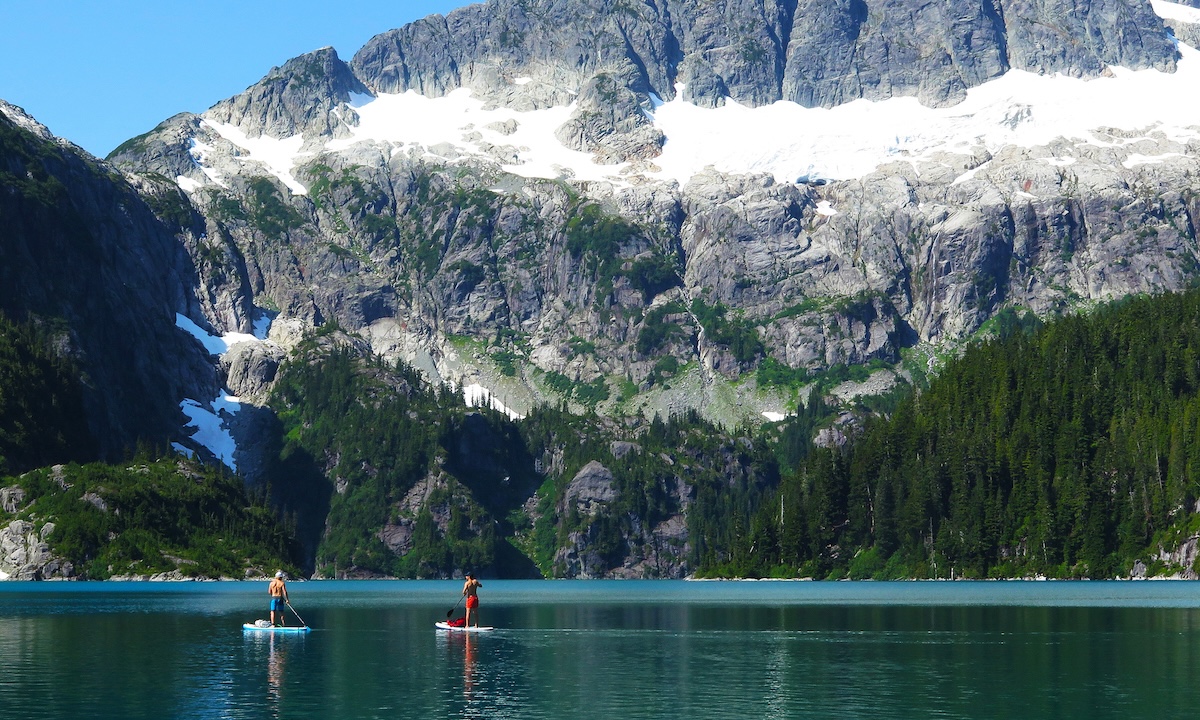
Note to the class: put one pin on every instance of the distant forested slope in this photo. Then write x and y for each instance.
(388, 476)
(1071, 450)
(42, 419)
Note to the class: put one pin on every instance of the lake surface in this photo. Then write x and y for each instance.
(606, 649)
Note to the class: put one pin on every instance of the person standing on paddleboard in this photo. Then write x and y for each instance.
(279, 597)
(470, 589)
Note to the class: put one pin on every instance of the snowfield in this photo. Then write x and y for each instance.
(790, 142)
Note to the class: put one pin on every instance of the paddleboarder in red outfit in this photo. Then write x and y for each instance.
(470, 589)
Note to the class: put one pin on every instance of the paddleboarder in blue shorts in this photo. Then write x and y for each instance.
(279, 597)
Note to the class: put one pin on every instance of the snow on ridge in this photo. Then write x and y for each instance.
(477, 395)
(1175, 11)
(278, 155)
(785, 140)
(213, 344)
(794, 143)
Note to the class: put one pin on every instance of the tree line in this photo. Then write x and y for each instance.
(1065, 450)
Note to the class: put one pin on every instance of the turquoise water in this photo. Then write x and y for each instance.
(606, 649)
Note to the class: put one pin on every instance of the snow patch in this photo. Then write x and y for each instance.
(262, 325)
(199, 152)
(1175, 11)
(213, 344)
(826, 208)
(279, 156)
(477, 395)
(774, 416)
(187, 184)
(1136, 159)
(970, 174)
(211, 431)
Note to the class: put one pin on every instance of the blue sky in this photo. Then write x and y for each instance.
(99, 73)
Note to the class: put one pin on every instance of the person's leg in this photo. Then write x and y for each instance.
(473, 610)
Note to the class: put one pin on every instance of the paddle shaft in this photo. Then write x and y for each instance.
(451, 610)
(295, 613)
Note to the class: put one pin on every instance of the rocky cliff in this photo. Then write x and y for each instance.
(85, 254)
(813, 52)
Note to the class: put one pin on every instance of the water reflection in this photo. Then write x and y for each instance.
(275, 660)
(468, 667)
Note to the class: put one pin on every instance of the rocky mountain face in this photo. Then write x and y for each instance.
(813, 52)
(637, 293)
(461, 266)
(85, 255)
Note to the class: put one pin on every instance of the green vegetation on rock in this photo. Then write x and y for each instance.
(154, 516)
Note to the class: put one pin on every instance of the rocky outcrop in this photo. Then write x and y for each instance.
(610, 123)
(250, 369)
(590, 489)
(1179, 561)
(25, 554)
(308, 94)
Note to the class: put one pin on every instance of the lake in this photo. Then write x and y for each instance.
(605, 649)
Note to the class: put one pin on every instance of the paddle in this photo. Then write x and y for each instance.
(451, 610)
(295, 613)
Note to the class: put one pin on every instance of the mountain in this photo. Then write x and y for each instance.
(726, 211)
(486, 194)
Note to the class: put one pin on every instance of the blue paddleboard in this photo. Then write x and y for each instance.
(251, 627)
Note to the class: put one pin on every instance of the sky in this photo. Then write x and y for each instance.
(99, 73)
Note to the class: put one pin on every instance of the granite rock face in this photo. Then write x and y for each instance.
(610, 123)
(25, 554)
(814, 52)
(591, 487)
(87, 254)
(308, 94)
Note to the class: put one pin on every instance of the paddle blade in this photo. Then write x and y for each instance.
(450, 612)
